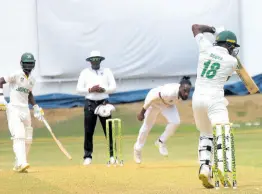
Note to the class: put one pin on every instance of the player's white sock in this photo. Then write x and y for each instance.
(20, 151)
(169, 131)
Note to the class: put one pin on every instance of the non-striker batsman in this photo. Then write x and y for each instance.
(18, 114)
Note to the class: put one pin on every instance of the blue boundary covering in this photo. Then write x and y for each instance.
(58, 100)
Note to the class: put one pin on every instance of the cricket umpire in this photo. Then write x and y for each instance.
(96, 84)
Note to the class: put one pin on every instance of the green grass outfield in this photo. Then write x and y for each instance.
(52, 172)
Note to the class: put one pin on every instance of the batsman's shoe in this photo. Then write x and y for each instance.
(161, 147)
(87, 161)
(137, 156)
(21, 168)
(222, 177)
(205, 177)
(15, 168)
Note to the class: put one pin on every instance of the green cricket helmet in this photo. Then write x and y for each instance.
(228, 40)
(27, 62)
(227, 37)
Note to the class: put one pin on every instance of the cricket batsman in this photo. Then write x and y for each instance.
(18, 115)
(162, 99)
(216, 64)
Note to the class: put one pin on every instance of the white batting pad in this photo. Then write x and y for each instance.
(205, 149)
(29, 134)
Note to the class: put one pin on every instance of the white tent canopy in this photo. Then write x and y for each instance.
(147, 42)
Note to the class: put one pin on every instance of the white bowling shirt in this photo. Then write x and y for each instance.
(102, 77)
(166, 95)
(20, 85)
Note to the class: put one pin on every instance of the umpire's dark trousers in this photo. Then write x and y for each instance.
(90, 125)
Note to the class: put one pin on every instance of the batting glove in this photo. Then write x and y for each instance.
(38, 112)
(219, 29)
(3, 103)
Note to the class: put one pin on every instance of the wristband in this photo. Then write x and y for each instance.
(35, 106)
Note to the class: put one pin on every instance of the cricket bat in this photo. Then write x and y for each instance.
(246, 78)
(59, 144)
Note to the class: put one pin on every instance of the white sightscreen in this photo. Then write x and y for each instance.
(138, 38)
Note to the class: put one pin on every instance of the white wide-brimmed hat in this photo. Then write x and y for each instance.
(95, 54)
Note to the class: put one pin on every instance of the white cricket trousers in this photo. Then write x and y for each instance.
(19, 123)
(169, 112)
(209, 111)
